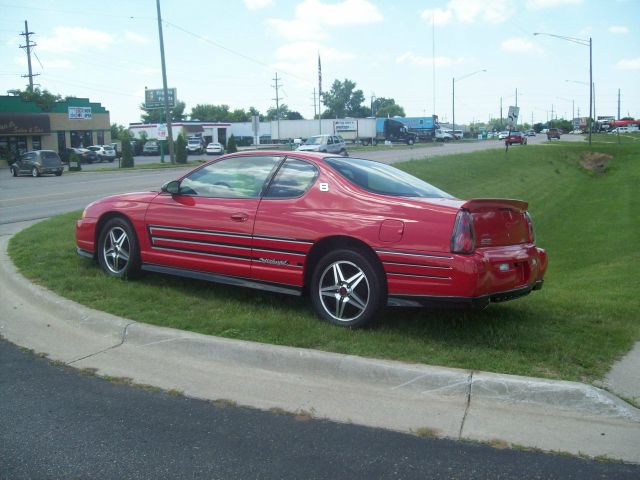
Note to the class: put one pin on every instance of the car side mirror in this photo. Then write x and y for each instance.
(172, 187)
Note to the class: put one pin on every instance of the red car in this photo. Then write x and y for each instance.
(353, 234)
(516, 137)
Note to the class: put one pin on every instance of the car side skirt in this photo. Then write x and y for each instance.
(224, 279)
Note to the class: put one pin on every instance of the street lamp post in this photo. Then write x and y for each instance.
(586, 43)
(453, 99)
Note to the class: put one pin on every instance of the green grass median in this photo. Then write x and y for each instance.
(586, 316)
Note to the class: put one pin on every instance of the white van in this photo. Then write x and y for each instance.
(627, 129)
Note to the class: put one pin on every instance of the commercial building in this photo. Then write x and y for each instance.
(75, 122)
(218, 132)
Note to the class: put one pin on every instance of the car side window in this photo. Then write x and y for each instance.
(292, 180)
(330, 140)
(237, 177)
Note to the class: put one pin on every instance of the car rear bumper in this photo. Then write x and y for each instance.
(489, 274)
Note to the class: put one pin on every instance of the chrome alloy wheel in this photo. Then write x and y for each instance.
(344, 291)
(115, 251)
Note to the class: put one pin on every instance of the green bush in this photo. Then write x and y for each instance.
(181, 149)
(74, 162)
(231, 145)
(127, 152)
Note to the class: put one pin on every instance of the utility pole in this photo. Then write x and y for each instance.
(500, 113)
(552, 111)
(433, 57)
(277, 99)
(314, 104)
(516, 97)
(167, 114)
(618, 104)
(27, 47)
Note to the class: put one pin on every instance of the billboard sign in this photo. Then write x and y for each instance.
(154, 97)
(79, 113)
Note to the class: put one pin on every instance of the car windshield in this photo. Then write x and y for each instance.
(315, 141)
(383, 179)
(108, 147)
(194, 140)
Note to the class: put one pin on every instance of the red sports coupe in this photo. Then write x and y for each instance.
(353, 234)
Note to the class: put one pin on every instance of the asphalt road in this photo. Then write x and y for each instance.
(27, 198)
(58, 423)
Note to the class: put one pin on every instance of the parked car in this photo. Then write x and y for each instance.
(531, 133)
(515, 136)
(442, 135)
(503, 135)
(353, 234)
(104, 153)
(325, 144)
(214, 148)
(553, 133)
(117, 148)
(84, 155)
(627, 129)
(151, 147)
(195, 145)
(36, 163)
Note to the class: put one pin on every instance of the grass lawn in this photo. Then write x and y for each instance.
(586, 316)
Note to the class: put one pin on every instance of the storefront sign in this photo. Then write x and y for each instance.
(79, 113)
(24, 123)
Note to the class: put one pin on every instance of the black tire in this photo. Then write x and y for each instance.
(14, 171)
(58, 173)
(118, 250)
(35, 172)
(410, 141)
(344, 153)
(348, 288)
(111, 159)
(374, 143)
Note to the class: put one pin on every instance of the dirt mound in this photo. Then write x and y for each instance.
(596, 162)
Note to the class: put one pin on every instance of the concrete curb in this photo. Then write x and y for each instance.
(396, 376)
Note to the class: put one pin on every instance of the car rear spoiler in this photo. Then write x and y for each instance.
(488, 204)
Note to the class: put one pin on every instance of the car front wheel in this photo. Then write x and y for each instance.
(14, 171)
(118, 251)
(348, 288)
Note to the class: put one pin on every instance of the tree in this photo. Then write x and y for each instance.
(181, 149)
(43, 98)
(387, 107)
(156, 115)
(343, 100)
(117, 131)
(294, 116)
(231, 145)
(127, 153)
(254, 111)
(283, 111)
(210, 113)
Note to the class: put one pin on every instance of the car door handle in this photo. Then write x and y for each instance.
(239, 217)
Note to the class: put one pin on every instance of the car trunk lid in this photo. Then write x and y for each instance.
(498, 222)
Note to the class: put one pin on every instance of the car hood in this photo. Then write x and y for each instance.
(308, 148)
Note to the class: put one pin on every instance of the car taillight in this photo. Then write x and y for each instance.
(462, 239)
(532, 235)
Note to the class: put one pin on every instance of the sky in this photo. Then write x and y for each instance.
(229, 52)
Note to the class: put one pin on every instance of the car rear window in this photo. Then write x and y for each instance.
(383, 179)
(50, 156)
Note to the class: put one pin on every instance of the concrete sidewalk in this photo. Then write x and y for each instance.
(530, 412)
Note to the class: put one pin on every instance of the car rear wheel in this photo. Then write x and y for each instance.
(58, 173)
(35, 172)
(118, 251)
(14, 171)
(347, 288)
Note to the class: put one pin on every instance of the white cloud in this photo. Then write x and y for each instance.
(136, 37)
(312, 18)
(438, 16)
(520, 45)
(470, 11)
(72, 39)
(417, 60)
(541, 4)
(618, 29)
(257, 4)
(629, 64)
